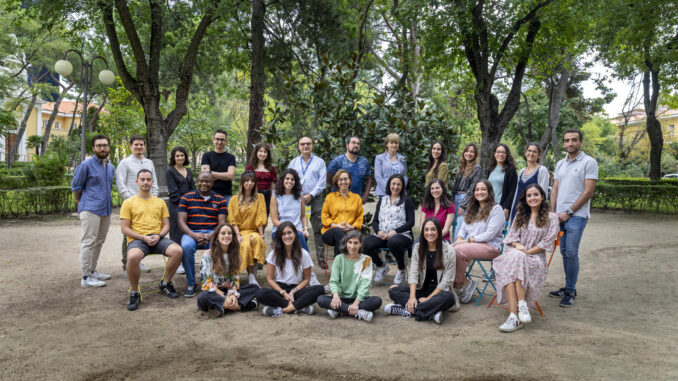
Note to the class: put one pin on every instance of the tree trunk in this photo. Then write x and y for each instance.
(258, 75)
(52, 116)
(156, 143)
(654, 128)
(22, 129)
(556, 94)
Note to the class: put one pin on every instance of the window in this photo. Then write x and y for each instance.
(671, 130)
(57, 125)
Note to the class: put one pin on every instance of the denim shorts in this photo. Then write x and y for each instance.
(159, 247)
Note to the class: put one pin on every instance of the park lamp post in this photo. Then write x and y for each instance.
(65, 68)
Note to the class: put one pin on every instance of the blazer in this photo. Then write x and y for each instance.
(445, 276)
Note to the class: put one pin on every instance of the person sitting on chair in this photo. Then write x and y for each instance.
(479, 237)
(287, 204)
(436, 204)
(288, 273)
(429, 293)
(521, 269)
(342, 211)
(392, 224)
(350, 282)
(144, 220)
(199, 212)
(219, 272)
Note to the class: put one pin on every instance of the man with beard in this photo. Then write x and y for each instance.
(91, 186)
(199, 213)
(357, 166)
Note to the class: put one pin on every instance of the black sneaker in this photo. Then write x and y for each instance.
(168, 290)
(559, 293)
(189, 293)
(568, 299)
(134, 299)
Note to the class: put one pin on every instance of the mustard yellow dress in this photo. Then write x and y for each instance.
(248, 218)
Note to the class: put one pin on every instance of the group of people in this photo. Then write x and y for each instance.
(456, 228)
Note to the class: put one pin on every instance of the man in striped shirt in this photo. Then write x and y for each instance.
(199, 213)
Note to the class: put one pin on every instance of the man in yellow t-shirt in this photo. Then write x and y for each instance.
(144, 220)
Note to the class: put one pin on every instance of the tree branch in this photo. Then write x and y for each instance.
(156, 41)
(133, 37)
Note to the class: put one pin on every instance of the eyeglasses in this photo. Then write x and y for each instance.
(305, 144)
(219, 139)
(99, 146)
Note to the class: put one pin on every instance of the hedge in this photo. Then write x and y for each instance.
(40, 200)
(638, 181)
(19, 182)
(660, 198)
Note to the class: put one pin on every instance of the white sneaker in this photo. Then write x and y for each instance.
(180, 270)
(399, 277)
(308, 310)
(144, 268)
(468, 290)
(92, 282)
(439, 317)
(100, 276)
(364, 315)
(379, 273)
(253, 279)
(272, 311)
(333, 314)
(511, 324)
(524, 312)
(456, 306)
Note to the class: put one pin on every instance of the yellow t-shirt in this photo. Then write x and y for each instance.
(145, 215)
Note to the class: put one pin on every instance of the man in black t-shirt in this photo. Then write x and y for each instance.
(221, 164)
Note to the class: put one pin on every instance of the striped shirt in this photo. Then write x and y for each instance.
(202, 214)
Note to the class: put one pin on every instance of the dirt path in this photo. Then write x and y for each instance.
(623, 326)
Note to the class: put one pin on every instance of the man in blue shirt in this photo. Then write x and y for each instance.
(357, 166)
(91, 186)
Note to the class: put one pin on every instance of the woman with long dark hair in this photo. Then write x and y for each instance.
(437, 166)
(479, 236)
(288, 274)
(350, 282)
(429, 293)
(247, 214)
(288, 205)
(534, 173)
(503, 177)
(261, 163)
(469, 172)
(521, 270)
(436, 204)
(179, 182)
(219, 271)
(392, 224)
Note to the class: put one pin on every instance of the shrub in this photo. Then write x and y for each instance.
(14, 182)
(638, 181)
(41, 201)
(660, 198)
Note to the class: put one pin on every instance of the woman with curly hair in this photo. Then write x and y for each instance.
(219, 269)
(288, 205)
(247, 214)
(521, 269)
(479, 236)
(261, 163)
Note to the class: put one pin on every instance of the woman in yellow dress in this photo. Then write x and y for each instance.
(247, 214)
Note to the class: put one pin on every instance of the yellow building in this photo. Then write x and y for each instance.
(635, 126)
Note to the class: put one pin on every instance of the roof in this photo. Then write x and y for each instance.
(66, 107)
(638, 115)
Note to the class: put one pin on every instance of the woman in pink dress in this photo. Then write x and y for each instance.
(521, 269)
(436, 204)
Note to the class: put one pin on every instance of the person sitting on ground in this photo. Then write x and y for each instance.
(521, 269)
(144, 220)
(342, 211)
(429, 293)
(479, 237)
(199, 212)
(288, 205)
(219, 272)
(288, 273)
(436, 204)
(247, 214)
(392, 224)
(350, 282)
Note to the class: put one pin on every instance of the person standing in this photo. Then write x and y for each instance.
(221, 164)
(437, 167)
(357, 166)
(312, 173)
(469, 172)
(574, 184)
(179, 182)
(533, 173)
(388, 164)
(261, 164)
(91, 186)
(503, 177)
(126, 181)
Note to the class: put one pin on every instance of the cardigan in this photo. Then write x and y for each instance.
(409, 217)
(445, 276)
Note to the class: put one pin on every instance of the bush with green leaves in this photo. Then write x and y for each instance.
(659, 198)
(41, 201)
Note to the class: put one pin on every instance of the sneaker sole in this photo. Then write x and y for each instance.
(566, 305)
(525, 321)
(92, 286)
(511, 329)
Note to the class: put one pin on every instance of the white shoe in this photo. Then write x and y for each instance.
(333, 314)
(253, 279)
(439, 317)
(364, 315)
(456, 306)
(379, 273)
(100, 276)
(511, 324)
(92, 282)
(180, 270)
(468, 291)
(399, 277)
(144, 268)
(524, 312)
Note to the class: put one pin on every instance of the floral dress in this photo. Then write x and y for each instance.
(514, 264)
(248, 218)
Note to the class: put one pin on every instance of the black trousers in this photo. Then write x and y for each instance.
(426, 310)
(397, 245)
(370, 304)
(332, 237)
(302, 298)
(267, 199)
(207, 300)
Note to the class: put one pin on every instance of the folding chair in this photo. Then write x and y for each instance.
(154, 285)
(487, 276)
(557, 243)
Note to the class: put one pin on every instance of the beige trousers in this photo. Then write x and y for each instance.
(94, 230)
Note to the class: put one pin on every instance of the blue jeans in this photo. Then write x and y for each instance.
(572, 230)
(189, 246)
(457, 201)
(302, 240)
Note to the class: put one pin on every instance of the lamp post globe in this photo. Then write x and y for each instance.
(63, 67)
(106, 77)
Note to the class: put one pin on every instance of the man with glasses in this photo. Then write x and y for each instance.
(312, 173)
(357, 166)
(91, 186)
(221, 164)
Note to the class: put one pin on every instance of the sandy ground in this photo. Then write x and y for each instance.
(623, 326)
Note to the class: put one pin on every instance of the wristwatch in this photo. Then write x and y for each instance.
(569, 212)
